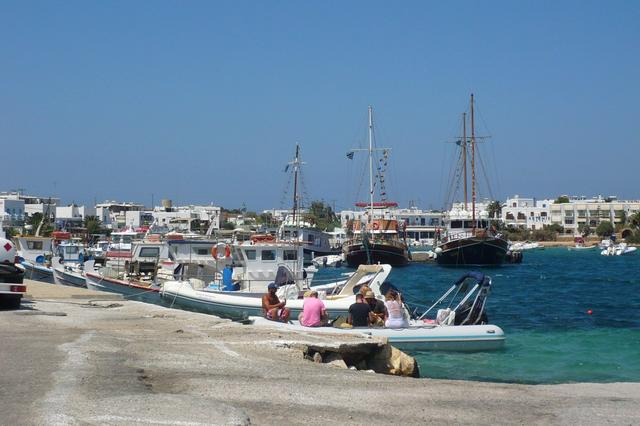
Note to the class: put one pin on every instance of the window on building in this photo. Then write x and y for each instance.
(543, 214)
(268, 255)
(290, 255)
(521, 216)
(509, 216)
(568, 221)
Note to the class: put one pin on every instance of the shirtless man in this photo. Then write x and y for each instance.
(272, 307)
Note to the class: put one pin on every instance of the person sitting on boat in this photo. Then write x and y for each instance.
(314, 313)
(377, 308)
(395, 310)
(272, 307)
(360, 313)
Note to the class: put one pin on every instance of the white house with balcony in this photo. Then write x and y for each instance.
(12, 211)
(526, 213)
(580, 211)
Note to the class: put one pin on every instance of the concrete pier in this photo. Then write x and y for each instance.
(89, 361)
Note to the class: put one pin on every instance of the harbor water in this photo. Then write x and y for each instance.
(569, 316)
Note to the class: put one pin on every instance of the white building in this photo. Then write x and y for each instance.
(280, 215)
(180, 217)
(33, 203)
(74, 213)
(580, 211)
(112, 214)
(12, 211)
(527, 213)
(420, 225)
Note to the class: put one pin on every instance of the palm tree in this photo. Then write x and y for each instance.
(495, 210)
(92, 224)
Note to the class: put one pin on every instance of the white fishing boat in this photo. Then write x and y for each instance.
(139, 279)
(194, 294)
(461, 328)
(70, 274)
(68, 268)
(36, 254)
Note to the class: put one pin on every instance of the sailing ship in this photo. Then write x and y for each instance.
(467, 238)
(377, 238)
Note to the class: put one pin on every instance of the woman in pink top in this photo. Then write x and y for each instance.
(314, 313)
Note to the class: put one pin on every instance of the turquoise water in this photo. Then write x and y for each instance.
(542, 306)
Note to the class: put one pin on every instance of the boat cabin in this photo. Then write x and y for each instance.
(34, 248)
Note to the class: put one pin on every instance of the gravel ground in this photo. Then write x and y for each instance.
(71, 361)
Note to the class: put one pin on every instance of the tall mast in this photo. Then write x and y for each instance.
(296, 162)
(473, 167)
(370, 164)
(464, 155)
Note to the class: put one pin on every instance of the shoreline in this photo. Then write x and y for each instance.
(123, 362)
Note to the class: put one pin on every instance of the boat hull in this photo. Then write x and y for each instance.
(356, 255)
(235, 305)
(477, 251)
(128, 289)
(464, 338)
(38, 273)
(68, 278)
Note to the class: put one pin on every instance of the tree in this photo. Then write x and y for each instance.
(321, 215)
(605, 229)
(494, 209)
(93, 225)
(584, 230)
(561, 199)
(634, 220)
(34, 220)
(554, 227)
(265, 219)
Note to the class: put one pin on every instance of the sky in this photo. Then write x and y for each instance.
(204, 101)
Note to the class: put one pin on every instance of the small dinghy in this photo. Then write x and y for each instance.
(459, 327)
(328, 261)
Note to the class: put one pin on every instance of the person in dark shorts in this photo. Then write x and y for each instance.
(360, 313)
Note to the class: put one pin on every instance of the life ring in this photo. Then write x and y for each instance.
(227, 251)
(375, 225)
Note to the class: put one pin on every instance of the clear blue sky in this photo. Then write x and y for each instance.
(204, 101)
